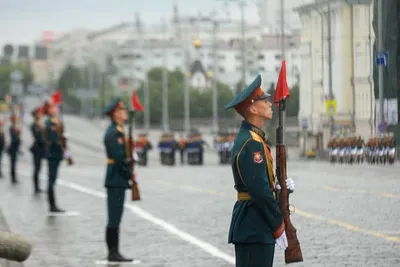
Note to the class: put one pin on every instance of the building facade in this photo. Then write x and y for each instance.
(136, 47)
(338, 84)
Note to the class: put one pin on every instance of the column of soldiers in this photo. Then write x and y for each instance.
(377, 150)
(48, 143)
(191, 149)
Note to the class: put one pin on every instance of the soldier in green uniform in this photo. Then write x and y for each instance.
(118, 176)
(2, 145)
(257, 223)
(54, 151)
(38, 147)
(13, 148)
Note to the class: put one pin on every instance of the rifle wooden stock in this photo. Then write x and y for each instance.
(64, 143)
(14, 247)
(293, 251)
(129, 152)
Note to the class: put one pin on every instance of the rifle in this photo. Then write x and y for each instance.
(129, 153)
(63, 139)
(293, 251)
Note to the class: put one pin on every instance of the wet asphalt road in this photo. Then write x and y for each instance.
(345, 215)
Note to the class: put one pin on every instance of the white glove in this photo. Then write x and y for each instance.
(282, 241)
(135, 156)
(289, 184)
(66, 135)
(67, 155)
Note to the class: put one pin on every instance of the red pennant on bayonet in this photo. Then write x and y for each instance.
(136, 103)
(56, 97)
(282, 89)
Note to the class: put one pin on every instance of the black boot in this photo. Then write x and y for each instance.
(52, 202)
(112, 239)
(36, 184)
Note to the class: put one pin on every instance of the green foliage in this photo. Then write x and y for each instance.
(5, 81)
(292, 103)
(200, 100)
(73, 78)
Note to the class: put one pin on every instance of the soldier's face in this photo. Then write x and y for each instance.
(263, 109)
(121, 114)
(53, 110)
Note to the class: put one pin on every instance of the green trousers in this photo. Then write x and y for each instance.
(254, 255)
(115, 205)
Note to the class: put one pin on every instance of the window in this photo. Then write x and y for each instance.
(368, 58)
(357, 60)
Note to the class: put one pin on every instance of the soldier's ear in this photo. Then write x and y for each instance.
(252, 109)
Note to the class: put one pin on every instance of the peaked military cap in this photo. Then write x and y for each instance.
(115, 104)
(248, 96)
(37, 110)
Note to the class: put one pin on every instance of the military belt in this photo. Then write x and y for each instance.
(110, 161)
(243, 196)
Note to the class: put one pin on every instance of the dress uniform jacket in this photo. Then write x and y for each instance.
(38, 146)
(53, 137)
(15, 142)
(118, 171)
(256, 215)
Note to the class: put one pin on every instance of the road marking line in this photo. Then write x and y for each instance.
(302, 213)
(362, 191)
(172, 229)
(112, 263)
(63, 214)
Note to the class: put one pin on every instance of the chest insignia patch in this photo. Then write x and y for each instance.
(257, 157)
(120, 141)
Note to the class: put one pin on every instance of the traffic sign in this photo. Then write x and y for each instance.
(16, 75)
(85, 93)
(330, 106)
(304, 124)
(382, 58)
(16, 88)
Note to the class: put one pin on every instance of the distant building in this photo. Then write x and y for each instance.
(351, 66)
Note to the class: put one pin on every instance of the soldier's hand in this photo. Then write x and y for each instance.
(128, 160)
(290, 185)
(282, 241)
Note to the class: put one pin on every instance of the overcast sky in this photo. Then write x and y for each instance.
(23, 21)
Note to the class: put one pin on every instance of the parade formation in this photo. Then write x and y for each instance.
(260, 219)
(349, 150)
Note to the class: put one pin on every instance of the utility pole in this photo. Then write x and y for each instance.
(283, 43)
(165, 115)
(242, 5)
(146, 96)
(183, 37)
(214, 79)
(330, 63)
(215, 25)
(244, 63)
(380, 66)
(371, 71)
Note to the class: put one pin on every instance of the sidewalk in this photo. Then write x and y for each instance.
(4, 227)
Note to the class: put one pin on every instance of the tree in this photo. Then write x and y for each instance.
(200, 101)
(5, 81)
(69, 80)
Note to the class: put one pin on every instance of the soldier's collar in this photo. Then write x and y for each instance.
(53, 119)
(247, 125)
(119, 127)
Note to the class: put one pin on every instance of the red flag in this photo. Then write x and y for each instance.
(282, 89)
(41, 109)
(56, 97)
(136, 103)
